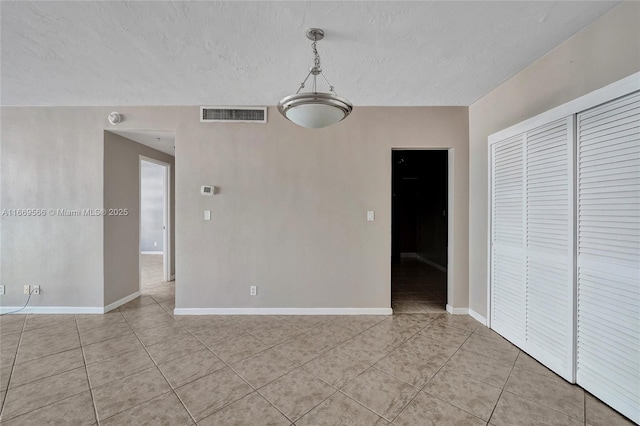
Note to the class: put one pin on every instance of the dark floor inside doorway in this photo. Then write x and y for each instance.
(417, 287)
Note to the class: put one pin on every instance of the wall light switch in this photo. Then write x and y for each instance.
(370, 216)
(207, 215)
(1, 289)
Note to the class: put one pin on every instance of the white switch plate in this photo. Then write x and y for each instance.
(26, 289)
(207, 215)
(1, 289)
(370, 216)
(253, 290)
(36, 289)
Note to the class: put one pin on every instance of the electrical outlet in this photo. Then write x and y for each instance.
(36, 289)
(253, 290)
(1, 289)
(26, 289)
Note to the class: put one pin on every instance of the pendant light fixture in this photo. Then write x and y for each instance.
(315, 109)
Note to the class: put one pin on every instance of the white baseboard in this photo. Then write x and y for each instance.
(282, 311)
(69, 309)
(118, 303)
(431, 263)
(151, 252)
(52, 310)
(476, 316)
(457, 311)
(467, 311)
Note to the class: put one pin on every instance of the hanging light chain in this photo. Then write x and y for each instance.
(316, 61)
(315, 70)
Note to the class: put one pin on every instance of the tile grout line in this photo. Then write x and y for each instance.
(337, 390)
(505, 385)
(362, 405)
(126, 352)
(584, 406)
(159, 370)
(227, 365)
(301, 366)
(315, 406)
(377, 369)
(384, 356)
(298, 365)
(434, 375)
(84, 360)
(43, 378)
(254, 389)
(106, 340)
(536, 402)
(13, 364)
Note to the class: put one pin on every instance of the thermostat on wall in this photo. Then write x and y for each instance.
(207, 190)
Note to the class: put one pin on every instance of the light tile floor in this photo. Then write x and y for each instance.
(141, 365)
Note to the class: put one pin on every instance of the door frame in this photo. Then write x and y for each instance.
(450, 216)
(166, 217)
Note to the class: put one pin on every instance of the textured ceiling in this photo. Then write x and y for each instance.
(254, 53)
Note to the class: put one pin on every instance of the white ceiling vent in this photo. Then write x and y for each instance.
(233, 114)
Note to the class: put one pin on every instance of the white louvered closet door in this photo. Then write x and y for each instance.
(608, 346)
(532, 291)
(549, 246)
(507, 240)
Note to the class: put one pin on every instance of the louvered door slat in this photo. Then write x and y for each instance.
(549, 248)
(610, 107)
(608, 212)
(507, 239)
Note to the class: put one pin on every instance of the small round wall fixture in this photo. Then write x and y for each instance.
(114, 118)
(315, 109)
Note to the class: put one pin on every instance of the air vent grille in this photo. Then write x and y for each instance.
(233, 115)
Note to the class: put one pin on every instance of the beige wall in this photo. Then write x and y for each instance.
(290, 216)
(53, 158)
(51, 161)
(291, 213)
(603, 52)
(121, 233)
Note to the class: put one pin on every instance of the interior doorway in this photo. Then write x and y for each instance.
(155, 261)
(419, 231)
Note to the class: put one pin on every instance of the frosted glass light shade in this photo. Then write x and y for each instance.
(315, 110)
(315, 115)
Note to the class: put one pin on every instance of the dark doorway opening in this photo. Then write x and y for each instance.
(419, 231)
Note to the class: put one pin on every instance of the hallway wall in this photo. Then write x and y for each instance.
(122, 233)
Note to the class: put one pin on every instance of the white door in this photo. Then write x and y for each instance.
(608, 346)
(549, 246)
(508, 293)
(532, 288)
